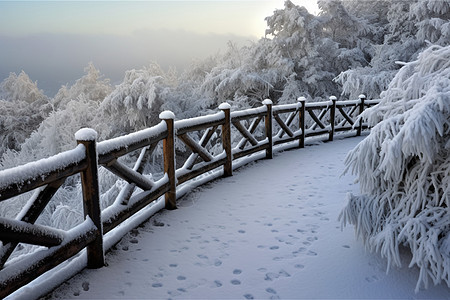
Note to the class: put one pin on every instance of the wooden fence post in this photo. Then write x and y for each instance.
(169, 159)
(362, 98)
(332, 117)
(91, 196)
(268, 122)
(226, 139)
(301, 119)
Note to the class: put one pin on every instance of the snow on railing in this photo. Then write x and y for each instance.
(216, 141)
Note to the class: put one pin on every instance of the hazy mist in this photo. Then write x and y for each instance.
(57, 59)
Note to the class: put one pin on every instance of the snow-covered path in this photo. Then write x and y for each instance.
(269, 231)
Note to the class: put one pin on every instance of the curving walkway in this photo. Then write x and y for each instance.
(269, 231)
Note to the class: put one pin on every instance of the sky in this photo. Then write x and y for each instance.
(52, 41)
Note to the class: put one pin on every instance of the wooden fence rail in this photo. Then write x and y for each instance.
(224, 137)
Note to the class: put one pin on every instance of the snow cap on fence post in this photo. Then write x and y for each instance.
(224, 105)
(167, 115)
(86, 134)
(333, 98)
(362, 96)
(267, 102)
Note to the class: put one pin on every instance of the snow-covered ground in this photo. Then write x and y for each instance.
(269, 231)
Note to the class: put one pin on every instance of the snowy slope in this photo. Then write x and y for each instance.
(269, 231)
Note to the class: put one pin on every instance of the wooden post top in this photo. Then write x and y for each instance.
(86, 134)
(167, 115)
(267, 102)
(224, 106)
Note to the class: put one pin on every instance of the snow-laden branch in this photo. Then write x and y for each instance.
(403, 168)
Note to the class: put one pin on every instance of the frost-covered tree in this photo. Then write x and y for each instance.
(247, 75)
(20, 88)
(317, 47)
(403, 168)
(133, 104)
(90, 86)
(406, 28)
(72, 108)
(22, 108)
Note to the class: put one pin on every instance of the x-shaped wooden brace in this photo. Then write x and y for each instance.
(133, 176)
(198, 149)
(317, 119)
(346, 116)
(29, 214)
(285, 126)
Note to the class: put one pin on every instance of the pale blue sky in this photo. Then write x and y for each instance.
(124, 17)
(52, 41)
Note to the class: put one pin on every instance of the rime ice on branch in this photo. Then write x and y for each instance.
(403, 168)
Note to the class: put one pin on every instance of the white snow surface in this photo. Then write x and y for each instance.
(167, 115)
(86, 134)
(269, 231)
(129, 139)
(30, 171)
(224, 105)
(267, 102)
(180, 124)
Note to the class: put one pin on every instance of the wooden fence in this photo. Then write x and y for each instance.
(237, 132)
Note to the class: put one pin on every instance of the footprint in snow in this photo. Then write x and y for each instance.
(157, 223)
(235, 282)
(262, 270)
(272, 276)
(372, 279)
